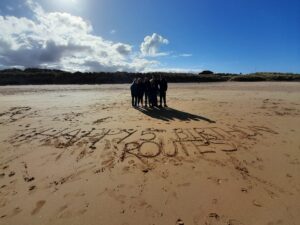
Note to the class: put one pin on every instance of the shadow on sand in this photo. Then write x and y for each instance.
(168, 114)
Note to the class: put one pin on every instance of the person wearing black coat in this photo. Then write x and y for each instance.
(147, 86)
(163, 87)
(134, 93)
(140, 91)
(153, 92)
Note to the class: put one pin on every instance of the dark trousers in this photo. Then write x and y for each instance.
(162, 96)
(134, 100)
(153, 98)
(140, 98)
(147, 98)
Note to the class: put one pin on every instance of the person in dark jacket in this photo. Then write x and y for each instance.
(134, 93)
(163, 87)
(140, 91)
(147, 86)
(153, 92)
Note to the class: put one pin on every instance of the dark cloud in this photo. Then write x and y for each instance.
(37, 55)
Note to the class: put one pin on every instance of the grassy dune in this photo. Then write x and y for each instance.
(45, 76)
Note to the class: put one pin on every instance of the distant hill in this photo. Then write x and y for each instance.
(265, 76)
(46, 76)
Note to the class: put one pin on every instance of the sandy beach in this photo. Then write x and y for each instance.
(222, 153)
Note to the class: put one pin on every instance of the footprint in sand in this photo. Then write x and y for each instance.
(214, 218)
(28, 179)
(184, 185)
(179, 222)
(38, 207)
(5, 167)
(234, 222)
(256, 203)
(11, 174)
(67, 213)
(16, 211)
(31, 188)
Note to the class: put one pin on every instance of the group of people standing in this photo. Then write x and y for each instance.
(148, 89)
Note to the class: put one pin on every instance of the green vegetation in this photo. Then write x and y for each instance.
(46, 76)
(267, 77)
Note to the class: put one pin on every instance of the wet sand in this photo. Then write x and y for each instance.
(226, 153)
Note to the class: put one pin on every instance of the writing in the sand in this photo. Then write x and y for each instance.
(190, 141)
(146, 143)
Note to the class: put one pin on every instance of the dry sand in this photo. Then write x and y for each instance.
(226, 153)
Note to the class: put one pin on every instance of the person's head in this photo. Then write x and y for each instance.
(146, 79)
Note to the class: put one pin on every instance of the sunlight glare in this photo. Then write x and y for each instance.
(66, 3)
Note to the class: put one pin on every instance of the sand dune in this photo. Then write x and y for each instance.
(224, 153)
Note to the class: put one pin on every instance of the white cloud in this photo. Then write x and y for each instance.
(151, 45)
(174, 70)
(64, 41)
(113, 31)
(185, 55)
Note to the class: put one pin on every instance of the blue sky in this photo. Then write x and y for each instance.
(223, 36)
